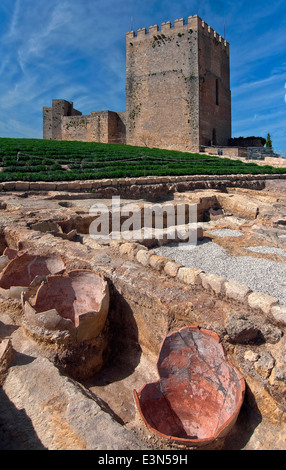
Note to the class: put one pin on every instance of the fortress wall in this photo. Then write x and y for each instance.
(246, 142)
(121, 127)
(60, 108)
(116, 128)
(99, 126)
(175, 77)
(162, 87)
(74, 112)
(47, 123)
(74, 128)
(87, 128)
(214, 84)
(215, 95)
(52, 118)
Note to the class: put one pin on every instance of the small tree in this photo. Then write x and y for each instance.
(268, 141)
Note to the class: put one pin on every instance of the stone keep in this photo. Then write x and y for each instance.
(177, 93)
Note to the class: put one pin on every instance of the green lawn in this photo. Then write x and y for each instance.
(48, 160)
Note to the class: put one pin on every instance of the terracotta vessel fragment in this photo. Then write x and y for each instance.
(199, 394)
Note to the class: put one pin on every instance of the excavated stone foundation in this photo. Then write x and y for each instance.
(79, 367)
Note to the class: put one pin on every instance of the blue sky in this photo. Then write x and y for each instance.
(75, 50)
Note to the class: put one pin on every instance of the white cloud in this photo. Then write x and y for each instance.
(14, 20)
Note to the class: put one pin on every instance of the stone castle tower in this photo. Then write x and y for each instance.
(177, 93)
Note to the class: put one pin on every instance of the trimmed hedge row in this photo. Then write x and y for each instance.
(45, 160)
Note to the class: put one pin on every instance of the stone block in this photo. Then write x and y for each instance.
(47, 186)
(34, 186)
(270, 333)
(171, 268)
(122, 181)
(74, 186)
(62, 186)
(63, 415)
(128, 249)
(241, 329)
(236, 291)
(213, 282)
(251, 356)
(189, 276)
(22, 186)
(264, 365)
(261, 301)
(278, 379)
(9, 186)
(278, 312)
(158, 262)
(143, 257)
(96, 184)
(85, 185)
(106, 182)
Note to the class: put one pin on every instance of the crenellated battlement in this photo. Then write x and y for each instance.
(194, 23)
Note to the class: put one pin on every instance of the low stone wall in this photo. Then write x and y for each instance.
(240, 153)
(276, 162)
(217, 285)
(235, 152)
(138, 187)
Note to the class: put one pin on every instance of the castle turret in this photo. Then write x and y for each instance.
(52, 118)
(177, 86)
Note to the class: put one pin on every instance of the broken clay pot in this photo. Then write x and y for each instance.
(199, 395)
(79, 299)
(68, 318)
(23, 269)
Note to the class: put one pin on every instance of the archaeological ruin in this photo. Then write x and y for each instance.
(101, 336)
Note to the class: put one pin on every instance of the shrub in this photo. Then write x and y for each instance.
(42, 160)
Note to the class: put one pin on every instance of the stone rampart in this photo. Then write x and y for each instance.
(98, 126)
(151, 187)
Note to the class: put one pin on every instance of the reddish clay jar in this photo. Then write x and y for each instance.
(199, 395)
(78, 300)
(68, 319)
(24, 271)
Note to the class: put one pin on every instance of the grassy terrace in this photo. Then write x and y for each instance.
(46, 160)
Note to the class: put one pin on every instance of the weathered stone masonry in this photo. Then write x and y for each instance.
(177, 93)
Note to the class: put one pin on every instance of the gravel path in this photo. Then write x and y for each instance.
(268, 250)
(258, 274)
(225, 232)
